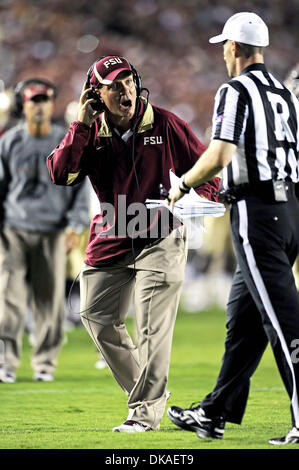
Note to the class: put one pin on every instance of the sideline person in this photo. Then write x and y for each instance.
(255, 141)
(33, 216)
(126, 147)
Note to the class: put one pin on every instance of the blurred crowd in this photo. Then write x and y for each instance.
(167, 42)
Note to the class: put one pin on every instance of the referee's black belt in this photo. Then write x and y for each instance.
(262, 189)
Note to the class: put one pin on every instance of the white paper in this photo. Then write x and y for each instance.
(190, 205)
(190, 209)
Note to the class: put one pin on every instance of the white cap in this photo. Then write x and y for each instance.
(244, 27)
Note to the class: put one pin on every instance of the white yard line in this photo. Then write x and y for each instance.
(101, 390)
(51, 430)
(58, 391)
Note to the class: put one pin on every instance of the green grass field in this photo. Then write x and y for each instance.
(79, 409)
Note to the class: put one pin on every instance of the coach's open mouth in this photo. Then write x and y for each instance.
(125, 103)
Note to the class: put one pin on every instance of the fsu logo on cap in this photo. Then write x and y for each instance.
(107, 69)
(113, 61)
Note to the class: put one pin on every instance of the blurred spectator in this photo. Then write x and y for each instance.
(63, 41)
(33, 244)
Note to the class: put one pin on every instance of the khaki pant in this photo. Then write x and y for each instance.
(154, 280)
(32, 271)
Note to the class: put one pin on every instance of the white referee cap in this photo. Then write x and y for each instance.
(244, 27)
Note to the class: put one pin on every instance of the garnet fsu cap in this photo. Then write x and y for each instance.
(35, 89)
(245, 27)
(106, 70)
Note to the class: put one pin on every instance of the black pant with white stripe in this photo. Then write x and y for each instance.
(263, 304)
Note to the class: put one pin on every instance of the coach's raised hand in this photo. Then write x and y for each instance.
(86, 113)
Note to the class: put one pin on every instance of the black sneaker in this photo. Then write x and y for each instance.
(291, 438)
(194, 419)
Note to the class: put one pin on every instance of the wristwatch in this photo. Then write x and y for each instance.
(183, 187)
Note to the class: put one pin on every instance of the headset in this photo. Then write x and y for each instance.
(18, 105)
(98, 105)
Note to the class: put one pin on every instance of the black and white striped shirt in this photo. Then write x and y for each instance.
(261, 116)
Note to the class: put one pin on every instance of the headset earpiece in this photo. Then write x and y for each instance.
(137, 80)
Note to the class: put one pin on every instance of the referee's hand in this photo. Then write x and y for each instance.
(174, 195)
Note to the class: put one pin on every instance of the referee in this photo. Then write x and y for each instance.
(255, 141)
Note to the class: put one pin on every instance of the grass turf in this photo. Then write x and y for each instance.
(79, 409)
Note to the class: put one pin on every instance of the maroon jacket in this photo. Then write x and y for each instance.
(162, 142)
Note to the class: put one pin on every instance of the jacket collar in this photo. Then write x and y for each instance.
(145, 124)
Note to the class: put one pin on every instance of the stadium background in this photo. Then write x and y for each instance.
(167, 41)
